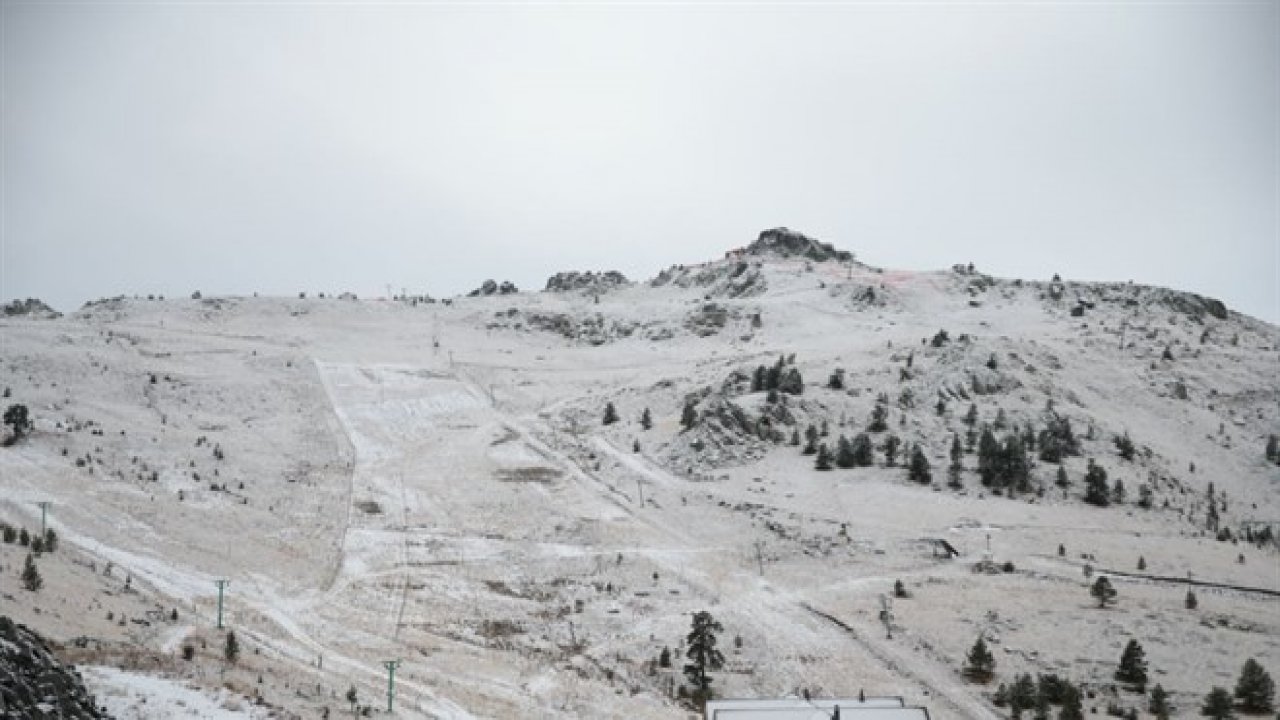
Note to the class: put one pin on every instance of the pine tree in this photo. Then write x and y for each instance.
(1273, 449)
(1255, 689)
(879, 415)
(689, 416)
(957, 453)
(664, 657)
(980, 664)
(1063, 480)
(1072, 708)
(792, 383)
(1124, 446)
(17, 417)
(1102, 591)
(890, 449)
(1001, 421)
(844, 453)
(823, 462)
(971, 417)
(1096, 491)
(919, 468)
(610, 414)
(50, 540)
(352, 697)
(1159, 705)
(1191, 601)
(646, 419)
(702, 653)
(24, 537)
(795, 437)
(863, 453)
(1142, 563)
(31, 579)
(941, 407)
(988, 457)
(1217, 704)
(836, 381)
(231, 650)
(1133, 666)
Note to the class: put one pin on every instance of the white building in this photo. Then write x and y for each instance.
(877, 708)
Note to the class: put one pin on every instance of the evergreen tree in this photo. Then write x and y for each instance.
(1015, 469)
(1217, 704)
(844, 453)
(702, 653)
(352, 697)
(941, 407)
(980, 664)
(791, 382)
(1133, 666)
(757, 379)
(836, 381)
(610, 414)
(879, 415)
(971, 416)
(988, 457)
(919, 468)
(31, 579)
(890, 449)
(1159, 705)
(795, 437)
(1142, 563)
(1022, 695)
(689, 416)
(1117, 492)
(1273, 448)
(24, 537)
(50, 540)
(1072, 709)
(1063, 481)
(1191, 601)
(1124, 446)
(863, 453)
(664, 657)
(17, 417)
(1255, 689)
(1102, 591)
(957, 453)
(1096, 491)
(231, 650)
(1001, 421)
(823, 461)
(646, 419)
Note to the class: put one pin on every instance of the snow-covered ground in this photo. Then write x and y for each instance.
(434, 484)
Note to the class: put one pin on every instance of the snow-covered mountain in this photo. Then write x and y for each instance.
(434, 482)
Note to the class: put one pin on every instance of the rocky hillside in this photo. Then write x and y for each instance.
(34, 685)
(526, 495)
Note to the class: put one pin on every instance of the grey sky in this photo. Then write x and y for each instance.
(284, 147)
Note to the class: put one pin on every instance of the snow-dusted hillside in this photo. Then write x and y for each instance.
(433, 482)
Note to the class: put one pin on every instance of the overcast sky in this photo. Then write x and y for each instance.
(278, 147)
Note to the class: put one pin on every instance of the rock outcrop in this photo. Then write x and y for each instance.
(789, 243)
(34, 685)
(32, 308)
(491, 287)
(589, 282)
